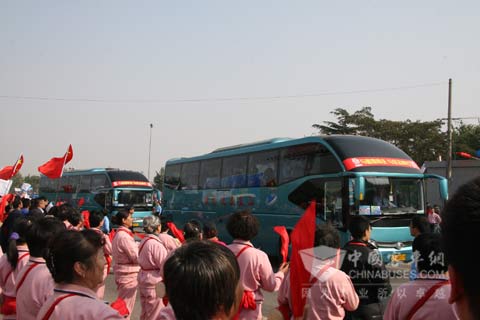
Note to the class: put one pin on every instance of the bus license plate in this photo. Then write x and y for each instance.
(399, 257)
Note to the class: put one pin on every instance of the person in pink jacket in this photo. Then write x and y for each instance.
(168, 241)
(76, 262)
(34, 282)
(125, 256)
(96, 223)
(332, 291)
(256, 270)
(202, 281)
(151, 256)
(10, 264)
(425, 297)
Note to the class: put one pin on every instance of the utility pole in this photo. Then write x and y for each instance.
(449, 133)
(149, 150)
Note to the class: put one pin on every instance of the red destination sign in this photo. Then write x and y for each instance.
(352, 163)
(131, 183)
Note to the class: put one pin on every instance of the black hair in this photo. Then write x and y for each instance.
(75, 217)
(64, 211)
(327, 235)
(192, 230)
(26, 202)
(358, 226)
(122, 214)
(430, 256)
(95, 218)
(209, 230)
(41, 233)
(421, 223)
(20, 227)
(16, 202)
(243, 225)
(71, 246)
(459, 229)
(203, 275)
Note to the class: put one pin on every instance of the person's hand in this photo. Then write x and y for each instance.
(284, 267)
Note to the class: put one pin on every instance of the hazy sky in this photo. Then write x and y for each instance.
(96, 73)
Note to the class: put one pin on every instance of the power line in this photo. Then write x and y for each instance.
(279, 97)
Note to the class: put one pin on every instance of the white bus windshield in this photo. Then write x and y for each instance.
(133, 197)
(391, 196)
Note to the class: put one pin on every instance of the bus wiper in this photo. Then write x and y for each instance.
(381, 218)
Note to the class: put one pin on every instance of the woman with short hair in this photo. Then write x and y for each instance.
(76, 262)
(151, 256)
(125, 256)
(255, 267)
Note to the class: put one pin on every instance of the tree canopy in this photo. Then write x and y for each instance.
(421, 140)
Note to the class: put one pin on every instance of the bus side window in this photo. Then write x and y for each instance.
(172, 176)
(262, 169)
(190, 175)
(233, 172)
(292, 165)
(210, 174)
(85, 182)
(98, 182)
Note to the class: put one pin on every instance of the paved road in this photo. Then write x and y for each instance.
(270, 298)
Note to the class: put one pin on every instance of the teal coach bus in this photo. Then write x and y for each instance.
(102, 189)
(277, 178)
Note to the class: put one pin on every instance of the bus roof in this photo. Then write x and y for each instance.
(350, 151)
(113, 173)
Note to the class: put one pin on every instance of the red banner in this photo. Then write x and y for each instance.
(131, 183)
(352, 163)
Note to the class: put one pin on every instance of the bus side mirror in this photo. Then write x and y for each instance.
(443, 185)
(360, 188)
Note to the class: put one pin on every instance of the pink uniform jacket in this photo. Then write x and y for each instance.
(151, 256)
(34, 286)
(80, 303)
(8, 276)
(256, 273)
(406, 296)
(330, 295)
(125, 268)
(169, 242)
(107, 251)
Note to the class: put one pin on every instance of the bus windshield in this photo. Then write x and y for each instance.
(133, 197)
(391, 196)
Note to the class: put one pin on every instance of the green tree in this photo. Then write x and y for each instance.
(466, 138)
(421, 140)
(17, 181)
(357, 123)
(158, 179)
(34, 181)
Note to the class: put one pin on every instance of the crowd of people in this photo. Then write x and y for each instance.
(56, 263)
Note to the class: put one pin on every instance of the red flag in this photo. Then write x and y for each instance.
(111, 235)
(86, 218)
(120, 306)
(282, 231)
(81, 202)
(53, 168)
(8, 172)
(302, 237)
(177, 233)
(6, 198)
